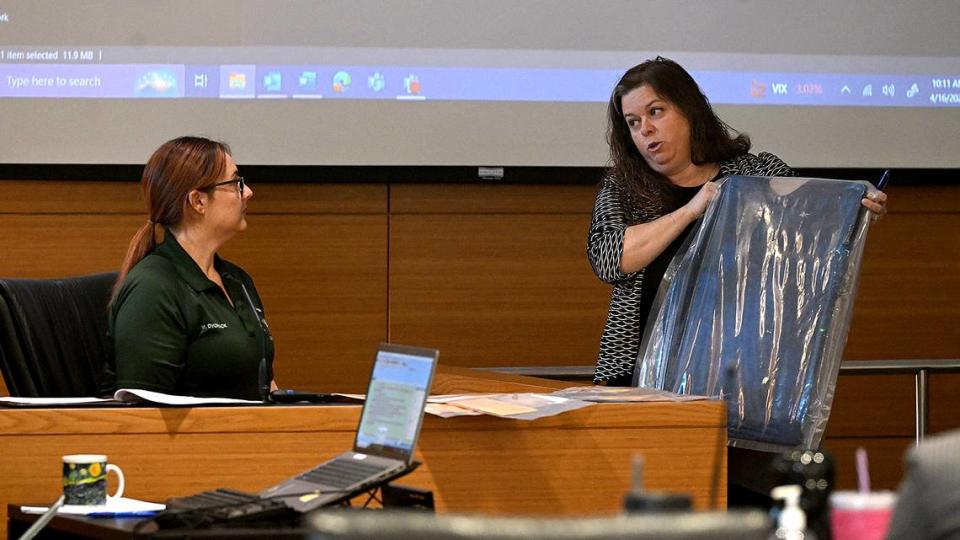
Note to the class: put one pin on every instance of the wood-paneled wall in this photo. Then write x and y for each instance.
(496, 275)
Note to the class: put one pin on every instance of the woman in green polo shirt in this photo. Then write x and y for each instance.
(182, 320)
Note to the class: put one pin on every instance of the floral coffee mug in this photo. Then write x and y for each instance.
(85, 479)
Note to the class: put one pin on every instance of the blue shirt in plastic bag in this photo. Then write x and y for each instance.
(756, 307)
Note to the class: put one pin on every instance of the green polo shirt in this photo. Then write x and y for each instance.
(174, 331)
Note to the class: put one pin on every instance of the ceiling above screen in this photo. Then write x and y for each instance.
(452, 82)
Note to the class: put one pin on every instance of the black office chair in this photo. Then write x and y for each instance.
(53, 334)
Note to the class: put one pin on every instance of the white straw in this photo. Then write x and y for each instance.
(863, 471)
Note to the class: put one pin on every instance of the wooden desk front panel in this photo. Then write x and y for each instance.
(576, 463)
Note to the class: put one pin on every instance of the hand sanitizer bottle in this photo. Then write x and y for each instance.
(792, 522)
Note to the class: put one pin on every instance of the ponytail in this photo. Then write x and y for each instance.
(143, 242)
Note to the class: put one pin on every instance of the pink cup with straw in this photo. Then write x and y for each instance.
(862, 514)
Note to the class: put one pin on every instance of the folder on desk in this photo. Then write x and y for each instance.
(386, 436)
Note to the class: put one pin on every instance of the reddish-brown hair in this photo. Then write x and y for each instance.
(173, 171)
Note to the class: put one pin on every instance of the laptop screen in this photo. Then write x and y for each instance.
(392, 414)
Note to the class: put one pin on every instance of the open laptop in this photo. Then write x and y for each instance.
(386, 437)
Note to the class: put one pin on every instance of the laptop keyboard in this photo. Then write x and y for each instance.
(210, 499)
(221, 507)
(341, 472)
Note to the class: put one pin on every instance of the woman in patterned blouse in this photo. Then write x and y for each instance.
(667, 147)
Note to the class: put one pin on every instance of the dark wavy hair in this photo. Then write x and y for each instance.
(710, 138)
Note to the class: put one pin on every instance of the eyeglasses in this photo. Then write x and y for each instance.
(238, 180)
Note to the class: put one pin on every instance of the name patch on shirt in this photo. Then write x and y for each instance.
(212, 326)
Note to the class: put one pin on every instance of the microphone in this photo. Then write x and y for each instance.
(265, 369)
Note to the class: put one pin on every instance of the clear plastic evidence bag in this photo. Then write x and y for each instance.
(756, 306)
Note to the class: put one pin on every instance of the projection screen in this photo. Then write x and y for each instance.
(478, 82)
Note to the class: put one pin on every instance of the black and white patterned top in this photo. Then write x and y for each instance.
(620, 343)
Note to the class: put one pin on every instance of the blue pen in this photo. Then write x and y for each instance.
(882, 183)
(121, 515)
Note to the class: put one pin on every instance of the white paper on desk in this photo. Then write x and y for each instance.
(447, 398)
(624, 394)
(114, 506)
(519, 406)
(51, 400)
(449, 411)
(137, 395)
(495, 406)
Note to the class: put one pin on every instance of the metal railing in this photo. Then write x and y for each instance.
(920, 368)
